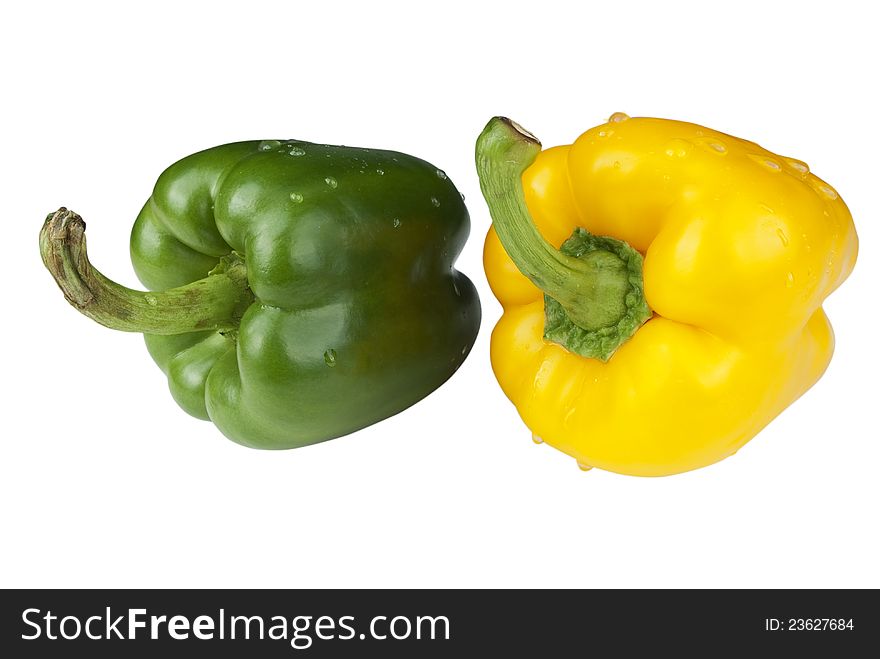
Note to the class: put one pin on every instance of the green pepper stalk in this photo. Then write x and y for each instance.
(216, 302)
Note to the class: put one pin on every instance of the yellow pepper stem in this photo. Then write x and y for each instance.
(594, 296)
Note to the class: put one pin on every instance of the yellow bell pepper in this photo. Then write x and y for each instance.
(662, 287)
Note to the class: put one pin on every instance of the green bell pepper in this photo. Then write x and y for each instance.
(300, 291)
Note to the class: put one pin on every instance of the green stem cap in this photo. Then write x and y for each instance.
(594, 293)
(215, 302)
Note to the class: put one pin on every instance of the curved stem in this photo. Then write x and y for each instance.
(596, 280)
(590, 290)
(504, 151)
(215, 302)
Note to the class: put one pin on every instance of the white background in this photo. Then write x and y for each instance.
(105, 482)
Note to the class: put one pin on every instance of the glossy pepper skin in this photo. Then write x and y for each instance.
(350, 309)
(740, 245)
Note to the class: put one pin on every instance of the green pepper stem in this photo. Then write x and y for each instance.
(597, 289)
(215, 302)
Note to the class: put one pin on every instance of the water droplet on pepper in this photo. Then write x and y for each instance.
(801, 168)
(766, 162)
(677, 148)
(829, 192)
